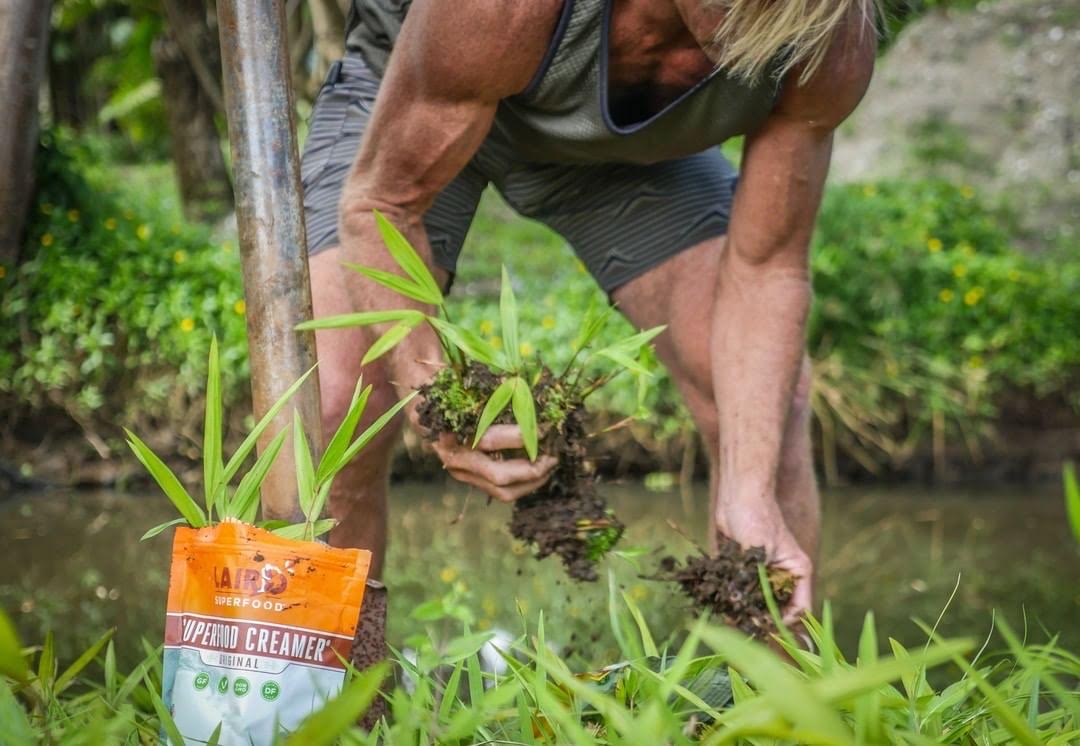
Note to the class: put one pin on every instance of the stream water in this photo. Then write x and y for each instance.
(71, 562)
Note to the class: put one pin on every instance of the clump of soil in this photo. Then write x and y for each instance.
(566, 517)
(727, 584)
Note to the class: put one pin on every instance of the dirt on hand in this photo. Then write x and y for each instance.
(727, 584)
(566, 517)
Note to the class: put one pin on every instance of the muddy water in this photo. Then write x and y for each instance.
(71, 562)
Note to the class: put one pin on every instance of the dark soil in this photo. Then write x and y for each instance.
(727, 585)
(566, 517)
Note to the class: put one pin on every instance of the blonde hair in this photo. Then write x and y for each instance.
(777, 36)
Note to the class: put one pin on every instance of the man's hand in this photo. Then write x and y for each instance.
(760, 524)
(505, 479)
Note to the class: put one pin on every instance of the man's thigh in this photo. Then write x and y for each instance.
(624, 220)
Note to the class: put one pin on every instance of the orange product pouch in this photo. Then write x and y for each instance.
(256, 629)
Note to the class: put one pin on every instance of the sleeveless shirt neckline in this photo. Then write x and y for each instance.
(553, 47)
(602, 77)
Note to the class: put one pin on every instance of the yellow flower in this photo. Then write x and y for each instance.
(548, 322)
(869, 190)
(967, 192)
(449, 574)
(175, 230)
(47, 239)
(959, 270)
(73, 216)
(110, 224)
(240, 307)
(934, 245)
(143, 232)
(1014, 275)
(46, 208)
(187, 325)
(975, 361)
(525, 349)
(486, 327)
(946, 295)
(496, 342)
(179, 256)
(639, 592)
(973, 296)
(518, 548)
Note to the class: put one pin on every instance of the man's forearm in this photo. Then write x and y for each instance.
(414, 360)
(758, 327)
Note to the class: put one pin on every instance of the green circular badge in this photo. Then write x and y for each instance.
(270, 691)
(223, 684)
(241, 687)
(202, 680)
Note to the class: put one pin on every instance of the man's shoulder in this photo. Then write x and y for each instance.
(499, 41)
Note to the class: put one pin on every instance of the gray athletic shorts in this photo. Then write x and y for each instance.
(621, 219)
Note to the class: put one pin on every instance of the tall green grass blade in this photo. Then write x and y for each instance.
(151, 533)
(508, 315)
(244, 504)
(68, 676)
(252, 438)
(14, 723)
(627, 642)
(362, 318)
(868, 708)
(406, 257)
(471, 344)
(495, 405)
(335, 449)
(12, 662)
(306, 531)
(372, 430)
(648, 645)
(168, 482)
(167, 723)
(780, 686)
(397, 283)
(450, 692)
(389, 340)
(215, 736)
(110, 669)
(213, 465)
(525, 415)
(341, 713)
(1072, 499)
(305, 469)
(1067, 699)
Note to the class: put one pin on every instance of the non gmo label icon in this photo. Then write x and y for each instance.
(241, 687)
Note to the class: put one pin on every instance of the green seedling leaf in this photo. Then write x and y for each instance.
(508, 314)
(212, 457)
(406, 257)
(500, 397)
(634, 342)
(249, 442)
(305, 531)
(471, 344)
(461, 648)
(47, 661)
(592, 324)
(363, 318)
(14, 723)
(647, 643)
(162, 527)
(167, 723)
(1072, 499)
(525, 416)
(244, 505)
(868, 707)
(631, 364)
(168, 482)
(305, 469)
(372, 430)
(330, 462)
(12, 662)
(397, 283)
(389, 340)
(341, 713)
(68, 676)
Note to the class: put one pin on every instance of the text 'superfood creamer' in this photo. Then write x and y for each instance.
(254, 630)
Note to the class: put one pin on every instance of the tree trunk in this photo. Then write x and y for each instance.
(203, 178)
(24, 41)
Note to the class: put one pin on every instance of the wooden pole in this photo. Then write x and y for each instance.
(259, 106)
(24, 43)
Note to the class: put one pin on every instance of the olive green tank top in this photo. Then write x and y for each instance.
(564, 115)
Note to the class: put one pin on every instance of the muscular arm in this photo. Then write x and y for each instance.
(764, 293)
(451, 65)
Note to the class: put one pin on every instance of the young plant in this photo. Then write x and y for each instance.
(242, 503)
(520, 377)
